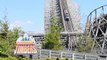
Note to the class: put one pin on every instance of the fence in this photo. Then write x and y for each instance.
(42, 54)
(65, 54)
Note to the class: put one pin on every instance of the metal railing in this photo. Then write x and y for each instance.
(43, 54)
(65, 54)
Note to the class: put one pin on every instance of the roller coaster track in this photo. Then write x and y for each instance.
(97, 28)
(68, 24)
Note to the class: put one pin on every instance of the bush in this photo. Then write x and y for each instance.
(57, 59)
(3, 55)
(9, 58)
(66, 59)
(12, 58)
(25, 59)
(48, 59)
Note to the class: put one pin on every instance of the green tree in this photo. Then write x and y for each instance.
(52, 39)
(85, 43)
(13, 35)
(8, 37)
(4, 43)
(4, 25)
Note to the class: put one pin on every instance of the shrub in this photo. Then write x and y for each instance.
(57, 59)
(9, 58)
(66, 59)
(25, 59)
(48, 59)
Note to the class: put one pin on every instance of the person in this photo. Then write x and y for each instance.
(66, 15)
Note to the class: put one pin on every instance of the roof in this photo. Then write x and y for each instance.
(24, 38)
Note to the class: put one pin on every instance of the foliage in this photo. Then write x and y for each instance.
(13, 58)
(9, 58)
(52, 39)
(3, 55)
(24, 58)
(85, 43)
(4, 25)
(66, 59)
(57, 59)
(48, 59)
(8, 38)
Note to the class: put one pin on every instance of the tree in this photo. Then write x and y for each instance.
(4, 25)
(8, 37)
(4, 29)
(13, 35)
(85, 43)
(52, 39)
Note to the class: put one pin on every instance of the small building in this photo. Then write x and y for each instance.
(25, 45)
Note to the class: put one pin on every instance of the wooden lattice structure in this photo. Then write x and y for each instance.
(96, 27)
